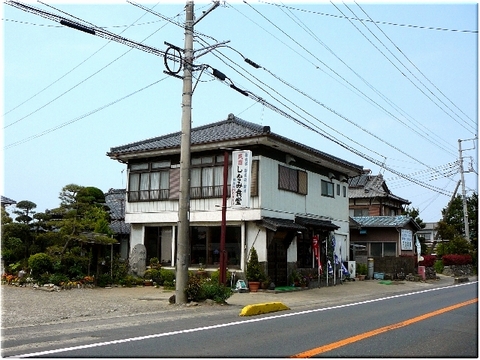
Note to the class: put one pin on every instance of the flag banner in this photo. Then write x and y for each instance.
(333, 242)
(315, 246)
(419, 249)
(337, 261)
(241, 178)
(329, 266)
(345, 271)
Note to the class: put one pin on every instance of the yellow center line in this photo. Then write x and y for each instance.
(350, 340)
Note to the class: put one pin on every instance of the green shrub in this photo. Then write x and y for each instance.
(128, 281)
(119, 269)
(153, 274)
(104, 280)
(214, 291)
(166, 276)
(193, 287)
(361, 269)
(215, 276)
(438, 266)
(199, 289)
(57, 279)
(40, 263)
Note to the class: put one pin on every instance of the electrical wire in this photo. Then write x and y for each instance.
(103, 107)
(411, 62)
(408, 70)
(326, 107)
(113, 38)
(357, 89)
(376, 22)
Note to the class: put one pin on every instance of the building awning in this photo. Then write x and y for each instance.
(275, 224)
(316, 223)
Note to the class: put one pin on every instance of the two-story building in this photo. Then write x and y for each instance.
(296, 192)
(369, 195)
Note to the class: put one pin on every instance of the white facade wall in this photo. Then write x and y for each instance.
(271, 202)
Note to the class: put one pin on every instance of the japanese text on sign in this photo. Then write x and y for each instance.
(241, 178)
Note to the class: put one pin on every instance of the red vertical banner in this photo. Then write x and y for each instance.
(316, 251)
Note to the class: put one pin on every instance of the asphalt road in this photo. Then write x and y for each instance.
(418, 323)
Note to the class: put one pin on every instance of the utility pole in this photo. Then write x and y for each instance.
(464, 196)
(183, 239)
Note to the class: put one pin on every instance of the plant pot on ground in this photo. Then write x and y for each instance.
(254, 272)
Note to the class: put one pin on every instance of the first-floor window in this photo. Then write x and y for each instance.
(205, 246)
(383, 249)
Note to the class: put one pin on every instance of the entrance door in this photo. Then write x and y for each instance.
(277, 260)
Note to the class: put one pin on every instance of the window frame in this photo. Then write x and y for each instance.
(292, 180)
(325, 187)
(149, 181)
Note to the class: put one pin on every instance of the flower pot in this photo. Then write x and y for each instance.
(253, 286)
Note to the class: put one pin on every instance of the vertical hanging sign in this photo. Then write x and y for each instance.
(241, 178)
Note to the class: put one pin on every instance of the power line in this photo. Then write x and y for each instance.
(411, 81)
(406, 57)
(356, 88)
(48, 131)
(331, 138)
(376, 22)
(117, 38)
(387, 100)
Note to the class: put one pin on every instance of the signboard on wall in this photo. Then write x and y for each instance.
(241, 178)
(406, 239)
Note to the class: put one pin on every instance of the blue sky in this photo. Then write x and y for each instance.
(382, 82)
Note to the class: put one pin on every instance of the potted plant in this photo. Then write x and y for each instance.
(254, 271)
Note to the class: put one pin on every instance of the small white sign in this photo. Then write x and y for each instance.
(406, 239)
(241, 178)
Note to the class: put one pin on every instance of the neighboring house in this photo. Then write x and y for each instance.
(429, 234)
(382, 238)
(115, 200)
(369, 196)
(296, 192)
(6, 201)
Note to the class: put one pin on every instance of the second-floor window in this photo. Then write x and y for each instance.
(206, 177)
(160, 180)
(327, 189)
(149, 181)
(292, 180)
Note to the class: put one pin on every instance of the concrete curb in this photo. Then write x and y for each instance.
(263, 308)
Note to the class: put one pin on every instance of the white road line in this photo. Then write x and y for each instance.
(277, 316)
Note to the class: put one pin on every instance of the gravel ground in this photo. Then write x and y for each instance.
(26, 306)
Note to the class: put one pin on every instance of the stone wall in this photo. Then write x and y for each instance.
(458, 270)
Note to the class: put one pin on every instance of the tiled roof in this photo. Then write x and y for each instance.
(370, 186)
(385, 221)
(233, 128)
(7, 201)
(115, 199)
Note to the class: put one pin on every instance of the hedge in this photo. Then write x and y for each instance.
(428, 260)
(456, 259)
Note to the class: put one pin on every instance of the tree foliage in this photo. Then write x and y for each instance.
(24, 210)
(453, 225)
(414, 214)
(65, 241)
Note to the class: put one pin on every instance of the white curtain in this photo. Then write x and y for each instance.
(207, 182)
(144, 180)
(218, 180)
(195, 182)
(155, 185)
(133, 187)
